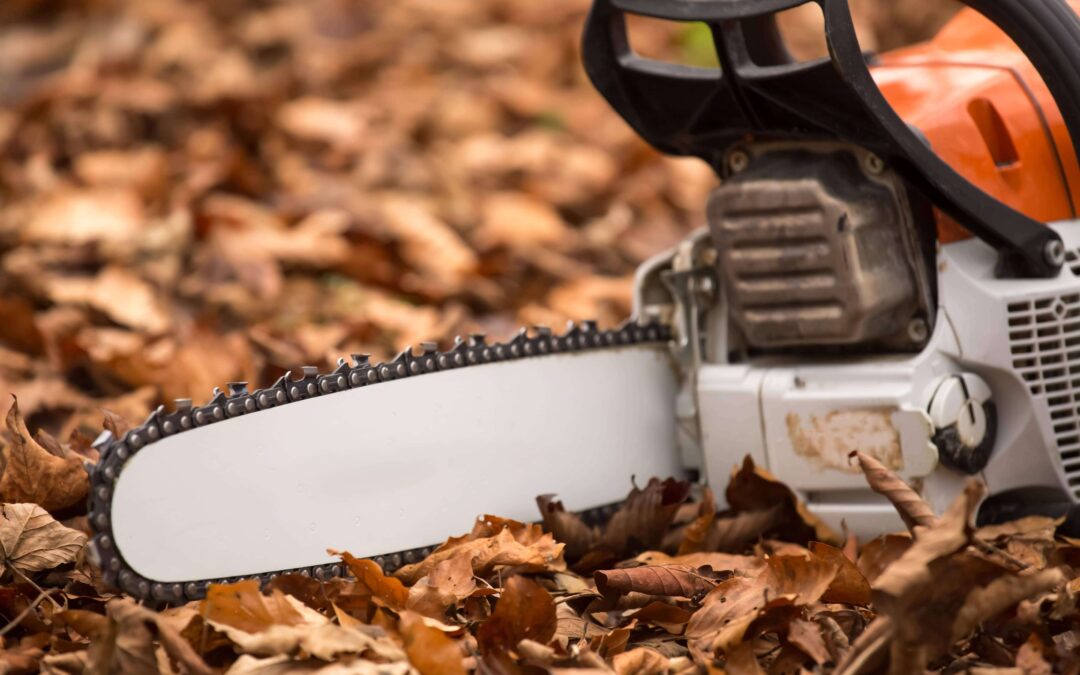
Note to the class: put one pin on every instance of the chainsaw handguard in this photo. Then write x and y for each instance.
(759, 91)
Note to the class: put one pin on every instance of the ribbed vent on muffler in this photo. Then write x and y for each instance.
(1044, 338)
(813, 252)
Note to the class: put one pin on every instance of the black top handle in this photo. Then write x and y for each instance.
(759, 91)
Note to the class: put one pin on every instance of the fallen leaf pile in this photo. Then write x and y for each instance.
(671, 583)
(200, 192)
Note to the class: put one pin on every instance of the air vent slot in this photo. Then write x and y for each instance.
(1044, 339)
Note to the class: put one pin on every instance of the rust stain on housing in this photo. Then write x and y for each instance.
(827, 440)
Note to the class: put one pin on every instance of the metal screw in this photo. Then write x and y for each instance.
(738, 161)
(874, 165)
(918, 331)
(1054, 253)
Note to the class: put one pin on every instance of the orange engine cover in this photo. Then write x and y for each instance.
(985, 110)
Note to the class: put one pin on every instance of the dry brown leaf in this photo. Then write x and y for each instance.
(494, 543)
(32, 541)
(881, 552)
(430, 651)
(674, 580)
(127, 646)
(572, 626)
(742, 661)
(730, 608)
(429, 245)
(806, 635)
(329, 641)
(243, 607)
(341, 124)
(695, 535)
(999, 595)
(519, 222)
(69, 663)
(449, 582)
(81, 216)
(566, 527)
(643, 519)
(849, 586)
(640, 661)
(116, 292)
(114, 423)
(524, 611)
(369, 576)
(33, 475)
(752, 488)
(911, 507)
(274, 624)
(1031, 659)
(869, 650)
(951, 533)
(734, 532)
(745, 565)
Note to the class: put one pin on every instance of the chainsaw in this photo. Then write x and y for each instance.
(891, 264)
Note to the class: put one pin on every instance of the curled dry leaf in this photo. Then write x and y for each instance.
(911, 507)
(951, 533)
(126, 646)
(670, 617)
(572, 626)
(449, 582)
(729, 609)
(388, 590)
(752, 488)
(807, 637)
(881, 552)
(524, 611)
(672, 580)
(430, 651)
(116, 292)
(696, 534)
(640, 661)
(742, 661)
(494, 543)
(33, 541)
(733, 532)
(641, 522)
(566, 527)
(999, 595)
(745, 565)
(32, 474)
(849, 586)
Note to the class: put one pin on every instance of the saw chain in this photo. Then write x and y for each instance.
(359, 371)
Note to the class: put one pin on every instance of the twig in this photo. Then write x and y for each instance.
(29, 608)
(990, 549)
(30, 581)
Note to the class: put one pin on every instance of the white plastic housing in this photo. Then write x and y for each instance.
(799, 417)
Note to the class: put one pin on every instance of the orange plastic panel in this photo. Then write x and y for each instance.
(985, 111)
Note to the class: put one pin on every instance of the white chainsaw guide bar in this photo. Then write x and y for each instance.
(395, 466)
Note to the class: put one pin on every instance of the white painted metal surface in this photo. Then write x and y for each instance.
(396, 466)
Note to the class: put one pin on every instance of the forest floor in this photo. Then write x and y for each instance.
(196, 193)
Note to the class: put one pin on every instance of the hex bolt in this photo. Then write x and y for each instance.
(738, 161)
(873, 165)
(1054, 253)
(918, 331)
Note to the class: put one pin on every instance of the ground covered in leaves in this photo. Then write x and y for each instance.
(201, 192)
(670, 584)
